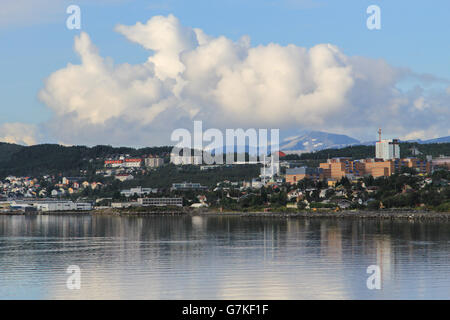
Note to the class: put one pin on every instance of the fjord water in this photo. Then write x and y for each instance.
(220, 257)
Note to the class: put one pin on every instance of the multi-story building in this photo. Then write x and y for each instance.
(187, 186)
(52, 205)
(296, 174)
(161, 202)
(421, 166)
(138, 191)
(337, 168)
(124, 163)
(378, 168)
(113, 163)
(387, 149)
(153, 162)
(133, 163)
(340, 167)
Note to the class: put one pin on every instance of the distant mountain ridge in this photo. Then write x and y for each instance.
(310, 141)
(420, 141)
(437, 140)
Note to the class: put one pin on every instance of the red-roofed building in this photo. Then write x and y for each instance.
(113, 163)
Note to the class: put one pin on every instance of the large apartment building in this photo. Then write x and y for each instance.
(387, 149)
(153, 162)
(340, 167)
(294, 175)
(113, 163)
(126, 162)
(123, 163)
(133, 163)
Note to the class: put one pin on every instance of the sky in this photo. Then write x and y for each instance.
(137, 70)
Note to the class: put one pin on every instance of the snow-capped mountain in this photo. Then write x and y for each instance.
(296, 142)
(308, 141)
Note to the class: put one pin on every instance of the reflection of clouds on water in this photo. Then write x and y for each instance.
(220, 258)
(383, 255)
(276, 286)
(173, 284)
(94, 286)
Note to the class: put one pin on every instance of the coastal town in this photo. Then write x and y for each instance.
(124, 182)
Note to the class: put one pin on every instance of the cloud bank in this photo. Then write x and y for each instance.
(19, 133)
(190, 75)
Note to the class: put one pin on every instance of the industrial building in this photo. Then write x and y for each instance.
(45, 205)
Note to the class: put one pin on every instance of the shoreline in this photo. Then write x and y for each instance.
(346, 215)
(382, 215)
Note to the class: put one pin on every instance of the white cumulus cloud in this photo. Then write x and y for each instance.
(228, 84)
(19, 133)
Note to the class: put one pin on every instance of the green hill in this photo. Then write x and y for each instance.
(52, 158)
(7, 150)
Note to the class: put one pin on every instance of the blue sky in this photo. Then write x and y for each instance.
(413, 35)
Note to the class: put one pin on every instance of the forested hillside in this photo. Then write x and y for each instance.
(7, 150)
(52, 158)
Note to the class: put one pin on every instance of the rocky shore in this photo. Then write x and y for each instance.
(380, 214)
(421, 215)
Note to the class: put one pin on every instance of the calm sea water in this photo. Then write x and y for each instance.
(221, 258)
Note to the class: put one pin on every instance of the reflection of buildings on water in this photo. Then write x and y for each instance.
(334, 242)
(331, 239)
(198, 223)
(341, 240)
(383, 250)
